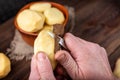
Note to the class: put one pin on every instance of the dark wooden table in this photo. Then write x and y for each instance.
(95, 20)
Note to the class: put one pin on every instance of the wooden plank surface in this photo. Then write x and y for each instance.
(95, 20)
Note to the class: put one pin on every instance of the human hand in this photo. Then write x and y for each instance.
(85, 60)
(41, 68)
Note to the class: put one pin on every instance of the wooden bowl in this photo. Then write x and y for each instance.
(29, 37)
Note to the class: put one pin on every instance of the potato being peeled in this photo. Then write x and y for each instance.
(5, 65)
(116, 71)
(45, 43)
(40, 7)
(54, 16)
(30, 21)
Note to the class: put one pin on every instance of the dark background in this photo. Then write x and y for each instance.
(8, 8)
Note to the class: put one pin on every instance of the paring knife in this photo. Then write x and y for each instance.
(61, 40)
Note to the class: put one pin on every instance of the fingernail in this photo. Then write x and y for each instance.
(41, 56)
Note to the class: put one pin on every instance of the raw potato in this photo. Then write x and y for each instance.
(30, 21)
(117, 69)
(54, 16)
(48, 27)
(40, 7)
(45, 43)
(5, 65)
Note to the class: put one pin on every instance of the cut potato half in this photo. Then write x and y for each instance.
(40, 7)
(54, 16)
(30, 21)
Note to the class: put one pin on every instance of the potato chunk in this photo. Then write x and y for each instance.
(40, 7)
(30, 21)
(117, 69)
(45, 43)
(5, 65)
(54, 16)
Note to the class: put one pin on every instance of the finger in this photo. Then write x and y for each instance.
(80, 39)
(106, 62)
(34, 75)
(105, 57)
(67, 62)
(73, 44)
(44, 67)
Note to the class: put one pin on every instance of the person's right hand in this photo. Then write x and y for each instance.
(85, 60)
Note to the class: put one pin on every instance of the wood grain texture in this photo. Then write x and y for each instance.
(96, 20)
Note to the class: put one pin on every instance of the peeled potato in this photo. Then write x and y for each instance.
(48, 27)
(117, 69)
(30, 21)
(45, 43)
(54, 16)
(5, 65)
(40, 7)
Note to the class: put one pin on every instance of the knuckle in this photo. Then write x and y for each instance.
(103, 49)
(94, 45)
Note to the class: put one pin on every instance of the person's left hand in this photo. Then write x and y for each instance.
(41, 68)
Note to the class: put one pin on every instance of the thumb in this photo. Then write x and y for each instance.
(44, 67)
(34, 75)
(67, 62)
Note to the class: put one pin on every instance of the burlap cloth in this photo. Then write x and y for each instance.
(19, 49)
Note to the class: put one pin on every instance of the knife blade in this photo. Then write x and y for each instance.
(61, 40)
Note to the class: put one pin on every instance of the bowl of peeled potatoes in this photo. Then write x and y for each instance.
(34, 17)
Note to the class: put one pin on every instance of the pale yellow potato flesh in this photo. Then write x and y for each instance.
(116, 71)
(5, 65)
(54, 16)
(48, 27)
(40, 7)
(45, 43)
(30, 21)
